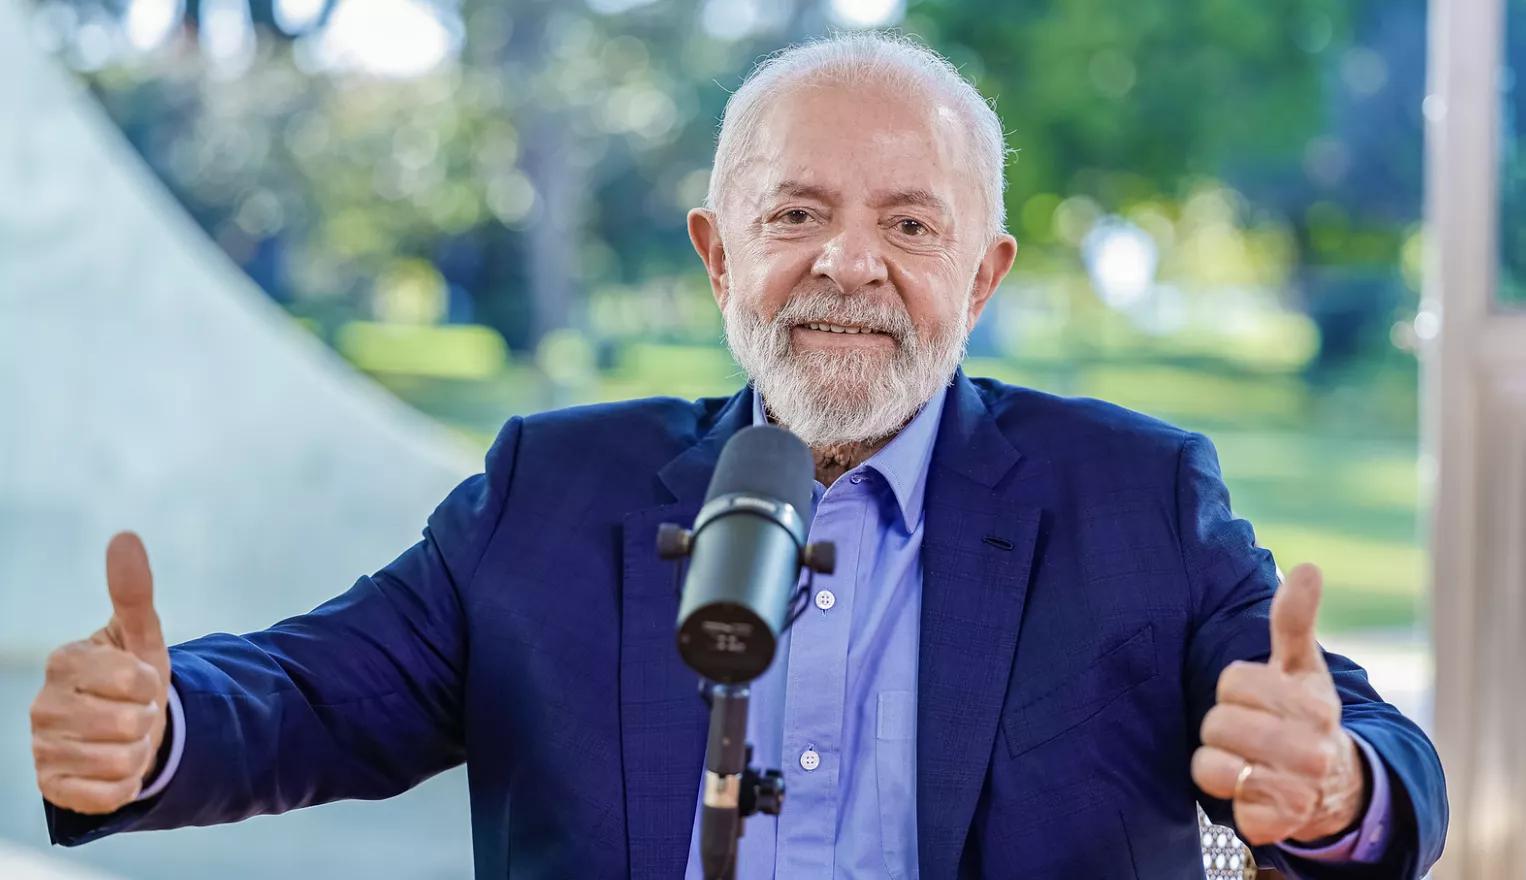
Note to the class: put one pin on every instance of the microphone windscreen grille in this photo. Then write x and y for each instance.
(769, 462)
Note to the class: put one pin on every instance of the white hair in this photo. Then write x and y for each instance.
(855, 58)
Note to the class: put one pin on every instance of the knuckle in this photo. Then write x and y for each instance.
(124, 679)
(1308, 801)
(1230, 678)
(44, 712)
(80, 801)
(142, 757)
(1322, 761)
(123, 723)
(147, 677)
(1305, 759)
(1199, 762)
(143, 721)
(1320, 715)
(117, 763)
(1219, 728)
(1241, 679)
(125, 791)
(58, 661)
(1213, 723)
(42, 753)
(115, 794)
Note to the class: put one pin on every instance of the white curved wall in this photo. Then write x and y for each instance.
(146, 383)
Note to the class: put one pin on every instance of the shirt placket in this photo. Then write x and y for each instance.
(815, 691)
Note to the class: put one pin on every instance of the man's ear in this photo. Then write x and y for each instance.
(994, 266)
(705, 234)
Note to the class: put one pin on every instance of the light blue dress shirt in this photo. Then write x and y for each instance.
(837, 710)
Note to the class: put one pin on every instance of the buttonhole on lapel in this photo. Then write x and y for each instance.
(1000, 543)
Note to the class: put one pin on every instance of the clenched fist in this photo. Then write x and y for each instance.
(100, 716)
(1273, 743)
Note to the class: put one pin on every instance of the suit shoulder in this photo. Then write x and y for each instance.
(651, 427)
(1050, 424)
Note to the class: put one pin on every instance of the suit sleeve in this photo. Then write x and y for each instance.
(359, 698)
(1232, 582)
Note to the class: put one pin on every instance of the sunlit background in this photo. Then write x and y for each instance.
(480, 206)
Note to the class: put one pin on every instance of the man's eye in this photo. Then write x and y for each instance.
(911, 227)
(795, 216)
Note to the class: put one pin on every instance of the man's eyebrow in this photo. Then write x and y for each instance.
(920, 197)
(797, 190)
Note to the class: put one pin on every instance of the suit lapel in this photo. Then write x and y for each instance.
(662, 719)
(973, 593)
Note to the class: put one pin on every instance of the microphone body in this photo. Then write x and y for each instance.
(745, 553)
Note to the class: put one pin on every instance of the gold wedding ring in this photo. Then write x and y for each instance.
(1244, 775)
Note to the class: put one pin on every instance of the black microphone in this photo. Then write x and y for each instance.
(745, 553)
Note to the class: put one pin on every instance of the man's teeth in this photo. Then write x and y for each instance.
(835, 328)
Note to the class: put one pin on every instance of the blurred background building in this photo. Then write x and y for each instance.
(272, 273)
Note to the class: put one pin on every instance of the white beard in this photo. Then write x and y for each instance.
(835, 397)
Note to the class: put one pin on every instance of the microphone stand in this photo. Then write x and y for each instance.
(732, 789)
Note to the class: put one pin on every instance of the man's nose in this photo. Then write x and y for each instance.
(852, 259)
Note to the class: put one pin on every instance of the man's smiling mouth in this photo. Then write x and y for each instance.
(822, 327)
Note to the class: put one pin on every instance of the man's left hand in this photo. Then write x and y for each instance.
(1273, 744)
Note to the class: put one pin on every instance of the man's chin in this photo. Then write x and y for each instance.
(838, 363)
(829, 397)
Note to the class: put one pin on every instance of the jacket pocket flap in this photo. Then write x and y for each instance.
(1082, 695)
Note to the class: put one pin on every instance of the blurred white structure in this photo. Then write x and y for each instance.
(1474, 409)
(22, 863)
(146, 383)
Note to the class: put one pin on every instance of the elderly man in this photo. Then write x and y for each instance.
(1046, 636)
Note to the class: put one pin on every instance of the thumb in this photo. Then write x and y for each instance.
(1294, 610)
(134, 625)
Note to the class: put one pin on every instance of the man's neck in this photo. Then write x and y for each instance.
(835, 459)
(832, 461)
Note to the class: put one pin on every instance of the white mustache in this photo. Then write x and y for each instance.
(828, 308)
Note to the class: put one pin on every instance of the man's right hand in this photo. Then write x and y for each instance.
(99, 719)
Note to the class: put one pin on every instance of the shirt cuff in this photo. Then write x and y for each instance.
(176, 722)
(1367, 843)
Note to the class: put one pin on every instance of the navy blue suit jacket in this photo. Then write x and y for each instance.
(1066, 663)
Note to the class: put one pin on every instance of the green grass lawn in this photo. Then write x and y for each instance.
(1325, 475)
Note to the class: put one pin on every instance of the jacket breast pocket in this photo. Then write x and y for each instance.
(1081, 696)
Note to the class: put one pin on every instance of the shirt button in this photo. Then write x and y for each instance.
(825, 600)
(856, 479)
(809, 760)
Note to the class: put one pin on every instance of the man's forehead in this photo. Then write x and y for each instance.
(814, 144)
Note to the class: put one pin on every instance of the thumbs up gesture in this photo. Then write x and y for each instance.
(100, 716)
(1273, 743)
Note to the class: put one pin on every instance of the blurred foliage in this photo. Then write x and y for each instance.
(543, 164)
(1512, 243)
(482, 204)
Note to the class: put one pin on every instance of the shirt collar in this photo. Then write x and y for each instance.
(904, 460)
